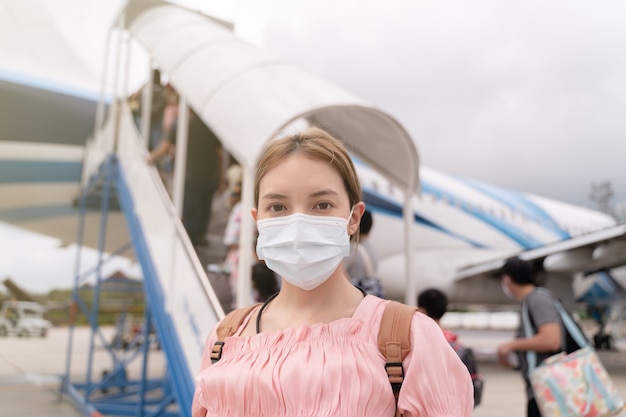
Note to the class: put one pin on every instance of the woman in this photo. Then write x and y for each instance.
(311, 350)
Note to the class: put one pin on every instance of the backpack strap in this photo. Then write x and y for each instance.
(228, 327)
(394, 342)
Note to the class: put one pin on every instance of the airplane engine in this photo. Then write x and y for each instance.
(569, 261)
(612, 252)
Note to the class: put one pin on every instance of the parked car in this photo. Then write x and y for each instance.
(23, 318)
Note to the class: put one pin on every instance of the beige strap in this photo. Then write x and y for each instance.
(228, 327)
(394, 342)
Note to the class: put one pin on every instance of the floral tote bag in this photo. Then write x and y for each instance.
(571, 385)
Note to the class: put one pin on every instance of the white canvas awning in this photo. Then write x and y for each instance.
(247, 95)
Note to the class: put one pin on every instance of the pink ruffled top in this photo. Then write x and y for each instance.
(332, 370)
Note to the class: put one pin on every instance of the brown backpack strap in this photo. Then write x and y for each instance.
(394, 342)
(228, 327)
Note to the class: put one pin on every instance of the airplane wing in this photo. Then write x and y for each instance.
(587, 254)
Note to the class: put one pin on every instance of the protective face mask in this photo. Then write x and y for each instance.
(506, 290)
(305, 250)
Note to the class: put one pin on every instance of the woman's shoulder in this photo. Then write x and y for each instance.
(376, 306)
(371, 305)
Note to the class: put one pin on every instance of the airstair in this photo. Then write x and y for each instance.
(181, 307)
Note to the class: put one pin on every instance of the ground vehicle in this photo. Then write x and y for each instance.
(23, 318)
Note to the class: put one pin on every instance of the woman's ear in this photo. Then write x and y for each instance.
(355, 220)
(254, 213)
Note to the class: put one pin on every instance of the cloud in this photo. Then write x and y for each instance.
(39, 264)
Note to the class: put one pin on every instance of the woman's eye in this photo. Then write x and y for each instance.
(276, 207)
(323, 206)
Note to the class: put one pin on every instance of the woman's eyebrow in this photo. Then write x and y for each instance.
(273, 196)
(324, 192)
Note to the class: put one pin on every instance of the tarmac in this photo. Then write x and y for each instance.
(31, 370)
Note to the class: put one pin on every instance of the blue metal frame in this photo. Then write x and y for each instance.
(181, 377)
(114, 393)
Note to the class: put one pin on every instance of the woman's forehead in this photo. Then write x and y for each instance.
(299, 171)
(300, 163)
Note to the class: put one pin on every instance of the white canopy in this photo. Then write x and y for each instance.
(247, 95)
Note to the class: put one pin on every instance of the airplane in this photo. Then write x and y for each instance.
(461, 223)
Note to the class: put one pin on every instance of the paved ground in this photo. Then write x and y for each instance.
(30, 370)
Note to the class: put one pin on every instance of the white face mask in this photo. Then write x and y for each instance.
(305, 250)
(506, 290)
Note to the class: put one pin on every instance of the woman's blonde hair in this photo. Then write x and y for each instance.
(316, 144)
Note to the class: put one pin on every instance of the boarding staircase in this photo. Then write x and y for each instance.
(181, 306)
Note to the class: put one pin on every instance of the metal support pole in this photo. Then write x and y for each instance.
(180, 162)
(73, 306)
(126, 75)
(146, 108)
(408, 215)
(116, 81)
(145, 348)
(246, 246)
(95, 307)
(103, 84)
